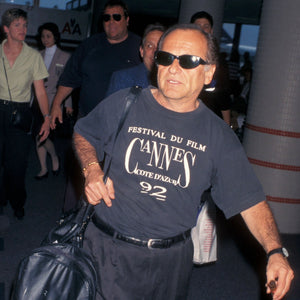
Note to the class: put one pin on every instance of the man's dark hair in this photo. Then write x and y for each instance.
(150, 28)
(212, 45)
(112, 3)
(12, 14)
(202, 15)
(51, 27)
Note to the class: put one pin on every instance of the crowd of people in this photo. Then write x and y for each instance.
(172, 148)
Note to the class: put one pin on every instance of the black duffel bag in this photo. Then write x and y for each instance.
(59, 269)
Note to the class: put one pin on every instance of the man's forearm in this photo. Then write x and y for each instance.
(62, 93)
(96, 189)
(261, 223)
(84, 150)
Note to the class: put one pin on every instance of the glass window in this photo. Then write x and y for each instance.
(19, 2)
(75, 3)
(227, 37)
(65, 4)
(248, 38)
(58, 4)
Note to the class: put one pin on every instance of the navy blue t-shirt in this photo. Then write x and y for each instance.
(163, 161)
(92, 64)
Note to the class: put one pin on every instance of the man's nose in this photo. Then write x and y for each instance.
(153, 50)
(175, 66)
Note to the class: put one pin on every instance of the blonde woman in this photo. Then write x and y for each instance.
(21, 66)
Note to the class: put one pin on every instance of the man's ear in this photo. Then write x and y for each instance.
(209, 71)
(141, 51)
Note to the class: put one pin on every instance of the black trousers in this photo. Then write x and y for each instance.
(130, 272)
(14, 150)
(75, 182)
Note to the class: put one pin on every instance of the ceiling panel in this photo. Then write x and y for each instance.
(236, 11)
(242, 11)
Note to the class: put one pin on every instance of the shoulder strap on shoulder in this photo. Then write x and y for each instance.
(130, 99)
(88, 210)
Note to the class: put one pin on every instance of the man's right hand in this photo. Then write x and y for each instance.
(95, 188)
(56, 113)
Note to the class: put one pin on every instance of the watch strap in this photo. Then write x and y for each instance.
(281, 250)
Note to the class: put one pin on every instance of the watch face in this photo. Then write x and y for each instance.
(285, 252)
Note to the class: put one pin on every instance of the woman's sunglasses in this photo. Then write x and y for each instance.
(116, 17)
(185, 61)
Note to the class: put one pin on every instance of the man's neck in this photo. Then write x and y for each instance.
(177, 105)
(117, 41)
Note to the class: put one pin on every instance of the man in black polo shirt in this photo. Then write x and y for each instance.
(90, 68)
(94, 61)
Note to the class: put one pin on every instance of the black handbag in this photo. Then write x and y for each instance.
(60, 269)
(21, 116)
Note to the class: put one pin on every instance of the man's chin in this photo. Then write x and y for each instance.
(173, 92)
(172, 96)
(116, 37)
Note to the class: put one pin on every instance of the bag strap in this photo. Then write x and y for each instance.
(130, 99)
(6, 79)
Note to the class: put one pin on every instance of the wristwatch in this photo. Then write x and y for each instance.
(282, 251)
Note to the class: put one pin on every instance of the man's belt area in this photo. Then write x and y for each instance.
(151, 243)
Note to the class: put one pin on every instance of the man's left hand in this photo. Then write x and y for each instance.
(279, 270)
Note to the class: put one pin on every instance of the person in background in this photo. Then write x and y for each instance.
(247, 65)
(240, 105)
(94, 61)
(204, 20)
(140, 74)
(55, 60)
(170, 149)
(90, 68)
(234, 73)
(216, 95)
(20, 67)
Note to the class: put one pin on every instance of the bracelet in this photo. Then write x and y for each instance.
(47, 116)
(90, 164)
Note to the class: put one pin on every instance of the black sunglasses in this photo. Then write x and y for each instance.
(116, 17)
(186, 61)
